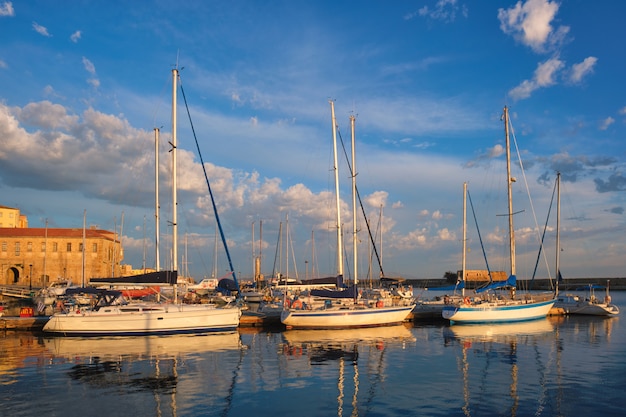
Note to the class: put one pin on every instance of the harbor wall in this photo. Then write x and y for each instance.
(543, 284)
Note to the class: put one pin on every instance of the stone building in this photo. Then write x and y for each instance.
(11, 217)
(35, 257)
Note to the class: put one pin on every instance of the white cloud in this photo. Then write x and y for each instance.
(606, 123)
(75, 37)
(444, 10)
(41, 29)
(544, 76)
(3, 64)
(89, 66)
(530, 24)
(578, 71)
(6, 9)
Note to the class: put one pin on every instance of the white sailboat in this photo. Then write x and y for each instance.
(589, 304)
(111, 315)
(501, 309)
(348, 313)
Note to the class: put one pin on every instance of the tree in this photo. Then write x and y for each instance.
(451, 277)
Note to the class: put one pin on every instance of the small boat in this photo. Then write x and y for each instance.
(48, 296)
(501, 308)
(588, 305)
(204, 287)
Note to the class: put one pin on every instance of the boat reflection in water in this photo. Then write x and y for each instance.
(347, 361)
(163, 368)
(510, 344)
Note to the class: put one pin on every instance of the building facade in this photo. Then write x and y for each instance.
(11, 217)
(35, 257)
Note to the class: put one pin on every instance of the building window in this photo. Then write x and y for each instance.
(43, 246)
(94, 247)
(4, 246)
(55, 247)
(69, 247)
(17, 248)
(29, 247)
(80, 247)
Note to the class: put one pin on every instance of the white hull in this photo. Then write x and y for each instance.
(344, 318)
(133, 319)
(574, 305)
(494, 312)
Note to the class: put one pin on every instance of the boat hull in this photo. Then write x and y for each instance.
(344, 318)
(584, 307)
(145, 319)
(497, 312)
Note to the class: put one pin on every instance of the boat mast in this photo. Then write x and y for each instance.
(174, 184)
(84, 241)
(510, 180)
(336, 169)
(464, 237)
(354, 228)
(558, 231)
(157, 208)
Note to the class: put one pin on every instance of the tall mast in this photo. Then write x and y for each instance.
(510, 180)
(174, 175)
(336, 168)
(157, 207)
(558, 231)
(84, 242)
(464, 236)
(354, 228)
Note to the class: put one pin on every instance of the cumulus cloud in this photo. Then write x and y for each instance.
(531, 24)
(75, 37)
(377, 199)
(544, 76)
(6, 9)
(41, 29)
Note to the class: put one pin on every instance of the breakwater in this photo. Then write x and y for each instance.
(542, 284)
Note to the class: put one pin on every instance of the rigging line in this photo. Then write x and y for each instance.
(532, 207)
(469, 197)
(545, 227)
(369, 232)
(206, 177)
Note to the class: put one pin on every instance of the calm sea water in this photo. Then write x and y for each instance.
(566, 366)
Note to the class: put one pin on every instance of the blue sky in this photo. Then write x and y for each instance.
(84, 85)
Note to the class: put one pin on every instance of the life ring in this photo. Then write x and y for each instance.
(297, 304)
(466, 301)
(380, 304)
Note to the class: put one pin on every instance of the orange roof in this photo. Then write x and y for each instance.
(54, 233)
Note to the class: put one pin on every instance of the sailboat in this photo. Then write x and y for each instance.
(501, 309)
(588, 305)
(110, 314)
(338, 312)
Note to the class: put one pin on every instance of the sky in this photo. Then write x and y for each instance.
(83, 87)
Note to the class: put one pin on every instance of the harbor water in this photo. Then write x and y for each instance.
(559, 366)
